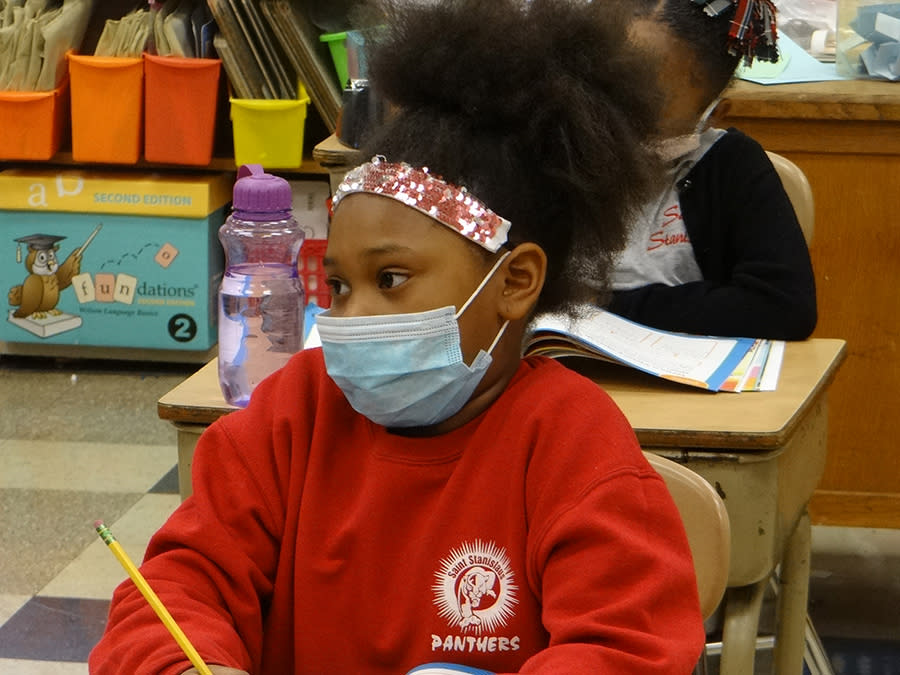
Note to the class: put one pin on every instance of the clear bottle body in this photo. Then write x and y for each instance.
(261, 303)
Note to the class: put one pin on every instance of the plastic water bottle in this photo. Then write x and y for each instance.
(261, 299)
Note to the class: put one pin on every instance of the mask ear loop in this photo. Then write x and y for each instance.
(474, 295)
(499, 335)
(483, 283)
(704, 118)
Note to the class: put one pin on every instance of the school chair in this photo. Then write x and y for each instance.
(800, 193)
(708, 531)
(798, 190)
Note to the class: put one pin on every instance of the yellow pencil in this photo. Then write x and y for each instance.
(152, 598)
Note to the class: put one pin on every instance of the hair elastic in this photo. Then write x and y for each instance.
(753, 33)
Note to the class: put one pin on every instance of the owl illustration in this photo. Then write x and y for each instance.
(39, 293)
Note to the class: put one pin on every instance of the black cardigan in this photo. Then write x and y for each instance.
(757, 276)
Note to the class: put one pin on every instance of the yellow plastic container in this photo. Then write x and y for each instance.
(107, 108)
(269, 132)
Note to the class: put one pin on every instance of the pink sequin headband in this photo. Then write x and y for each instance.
(417, 187)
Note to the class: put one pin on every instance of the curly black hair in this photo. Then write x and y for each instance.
(707, 37)
(541, 109)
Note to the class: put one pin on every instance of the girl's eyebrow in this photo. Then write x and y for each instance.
(383, 249)
(373, 252)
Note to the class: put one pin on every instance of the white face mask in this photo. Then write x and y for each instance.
(676, 147)
(672, 149)
(404, 370)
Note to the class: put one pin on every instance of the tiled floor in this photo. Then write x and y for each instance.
(81, 441)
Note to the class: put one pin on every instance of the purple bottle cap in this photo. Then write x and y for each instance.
(258, 192)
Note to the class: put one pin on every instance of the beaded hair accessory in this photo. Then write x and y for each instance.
(420, 189)
(753, 32)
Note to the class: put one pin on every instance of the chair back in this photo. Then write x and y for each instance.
(706, 524)
(798, 190)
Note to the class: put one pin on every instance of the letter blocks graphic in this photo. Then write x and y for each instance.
(105, 287)
(166, 255)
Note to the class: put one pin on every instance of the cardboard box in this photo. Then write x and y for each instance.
(111, 259)
(309, 199)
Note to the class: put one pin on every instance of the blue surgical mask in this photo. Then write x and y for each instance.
(404, 370)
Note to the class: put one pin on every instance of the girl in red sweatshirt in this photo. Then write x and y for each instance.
(415, 491)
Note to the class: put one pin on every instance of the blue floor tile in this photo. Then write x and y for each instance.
(168, 484)
(54, 629)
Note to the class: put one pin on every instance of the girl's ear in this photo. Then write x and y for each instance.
(523, 274)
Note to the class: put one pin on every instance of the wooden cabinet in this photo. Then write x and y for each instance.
(846, 138)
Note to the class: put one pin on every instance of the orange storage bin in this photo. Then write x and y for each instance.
(107, 108)
(33, 123)
(180, 97)
(309, 268)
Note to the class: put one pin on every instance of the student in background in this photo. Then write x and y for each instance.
(719, 250)
(416, 491)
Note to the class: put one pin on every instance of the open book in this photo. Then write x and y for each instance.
(713, 363)
(447, 669)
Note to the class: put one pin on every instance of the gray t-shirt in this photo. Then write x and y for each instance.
(659, 250)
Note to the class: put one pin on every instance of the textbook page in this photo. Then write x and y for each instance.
(754, 372)
(699, 361)
(768, 380)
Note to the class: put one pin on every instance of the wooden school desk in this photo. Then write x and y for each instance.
(764, 452)
(845, 136)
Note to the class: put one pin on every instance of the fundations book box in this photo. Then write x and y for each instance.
(126, 260)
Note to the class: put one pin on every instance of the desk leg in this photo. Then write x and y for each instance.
(793, 594)
(187, 436)
(742, 608)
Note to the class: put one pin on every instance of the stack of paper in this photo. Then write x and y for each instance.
(713, 363)
(308, 56)
(268, 46)
(34, 38)
(794, 64)
(878, 29)
(253, 59)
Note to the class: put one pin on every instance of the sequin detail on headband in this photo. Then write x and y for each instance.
(417, 187)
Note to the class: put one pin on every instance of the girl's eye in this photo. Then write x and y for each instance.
(388, 279)
(337, 287)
